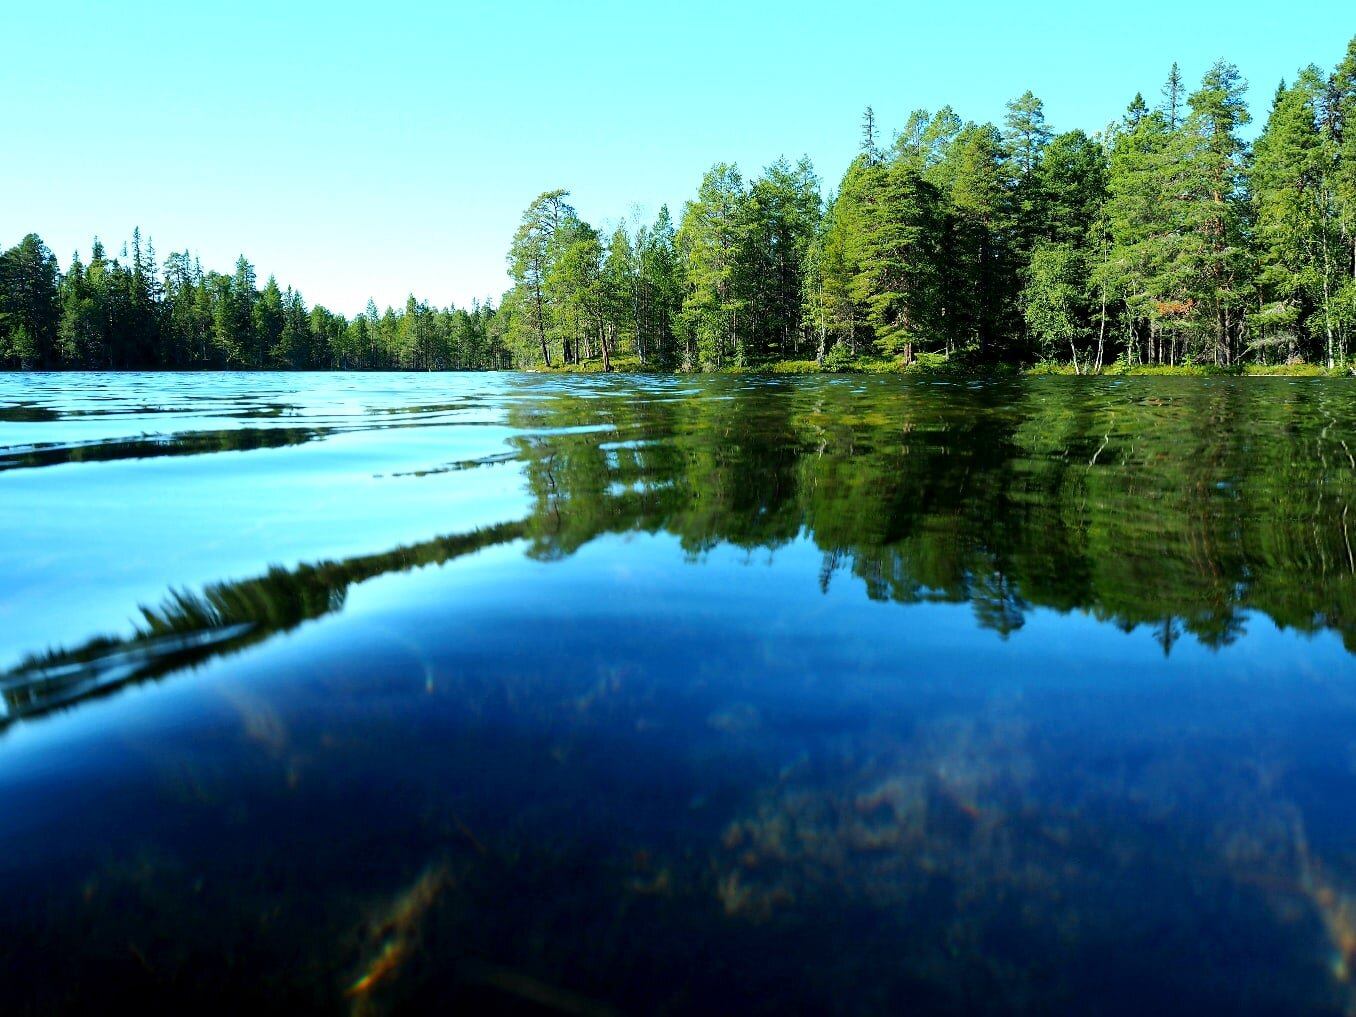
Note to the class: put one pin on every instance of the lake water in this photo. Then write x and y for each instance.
(394, 693)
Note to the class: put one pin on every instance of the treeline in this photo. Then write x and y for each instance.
(1164, 239)
(130, 312)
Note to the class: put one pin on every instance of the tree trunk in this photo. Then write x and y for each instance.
(636, 316)
(1101, 333)
(1327, 300)
(541, 327)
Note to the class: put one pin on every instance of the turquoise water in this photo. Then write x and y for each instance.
(386, 693)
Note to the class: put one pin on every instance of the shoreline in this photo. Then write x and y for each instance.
(949, 369)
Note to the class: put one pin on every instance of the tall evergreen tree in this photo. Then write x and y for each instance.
(1216, 207)
(659, 291)
(982, 277)
(713, 244)
(899, 281)
(1298, 247)
(1174, 97)
(29, 309)
(535, 249)
(782, 213)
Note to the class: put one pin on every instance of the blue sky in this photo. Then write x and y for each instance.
(358, 153)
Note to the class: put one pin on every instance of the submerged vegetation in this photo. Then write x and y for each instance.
(1165, 239)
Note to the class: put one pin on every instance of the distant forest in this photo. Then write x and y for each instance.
(1166, 238)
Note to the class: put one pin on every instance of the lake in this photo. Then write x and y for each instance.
(392, 693)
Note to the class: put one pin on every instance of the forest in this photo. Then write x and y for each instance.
(1167, 238)
(128, 312)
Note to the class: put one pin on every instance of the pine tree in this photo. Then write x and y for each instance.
(1298, 247)
(268, 325)
(531, 258)
(1173, 95)
(983, 256)
(1026, 133)
(618, 286)
(1216, 207)
(574, 291)
(899, 280)
(29, 308)
(659, 291)
(1139, 259)
(712, 241)
(835, 261)
(868, 146)
(782, 213)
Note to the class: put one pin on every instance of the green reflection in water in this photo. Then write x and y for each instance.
(1178, 505)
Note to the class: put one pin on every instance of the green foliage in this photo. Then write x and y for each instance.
(1164, 241)
(1146, 245)
(838, 359)
(29, 305)
(121, 313)
(1298, 245)
(713, 244)
(1056, 299)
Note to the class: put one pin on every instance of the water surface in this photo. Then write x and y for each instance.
(387, 693)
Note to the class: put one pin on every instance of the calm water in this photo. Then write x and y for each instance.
(385, 693)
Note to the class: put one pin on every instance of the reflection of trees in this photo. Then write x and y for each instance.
(189, 443)
(188, 629)
(1176, 507)
(1179, 507)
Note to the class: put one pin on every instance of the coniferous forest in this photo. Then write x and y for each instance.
(1166, 238)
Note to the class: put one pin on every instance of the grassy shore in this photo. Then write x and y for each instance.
(930, 365)
(1203, 370)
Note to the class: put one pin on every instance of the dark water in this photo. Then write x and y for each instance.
(372, 694)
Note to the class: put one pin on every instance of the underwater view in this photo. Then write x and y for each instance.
(372, 694)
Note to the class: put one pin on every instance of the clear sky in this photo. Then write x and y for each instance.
(384, 148)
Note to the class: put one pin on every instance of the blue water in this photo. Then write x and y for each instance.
(390, 693)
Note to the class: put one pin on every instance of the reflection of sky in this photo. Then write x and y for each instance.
(740, 627)
(99, 538)
(82, 544)
(760, 622)
(777, 594)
